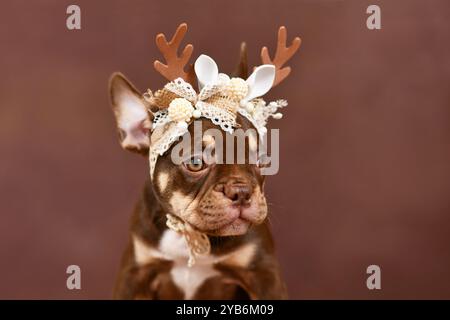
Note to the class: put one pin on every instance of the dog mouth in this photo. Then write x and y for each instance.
(236, 221)
(238, 226)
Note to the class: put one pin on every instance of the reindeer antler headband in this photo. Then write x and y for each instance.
(219, 97)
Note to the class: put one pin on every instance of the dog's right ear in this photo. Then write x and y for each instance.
(132, 114)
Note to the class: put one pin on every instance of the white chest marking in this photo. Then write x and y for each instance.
(189, 279)
(172, 246)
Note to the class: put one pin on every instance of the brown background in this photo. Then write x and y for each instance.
(365, 142)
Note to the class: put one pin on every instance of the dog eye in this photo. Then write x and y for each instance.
(194, 164)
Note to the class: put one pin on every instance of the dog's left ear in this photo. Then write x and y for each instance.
(132, 114)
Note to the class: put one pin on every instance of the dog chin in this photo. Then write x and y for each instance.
(237, 221)
(236, 228)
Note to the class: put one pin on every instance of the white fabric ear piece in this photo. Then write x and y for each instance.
(206, 70)
(260, 81)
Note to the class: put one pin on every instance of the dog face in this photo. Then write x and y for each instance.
(216, 198)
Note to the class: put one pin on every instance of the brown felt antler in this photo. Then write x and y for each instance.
(175, 64)
(282, 55)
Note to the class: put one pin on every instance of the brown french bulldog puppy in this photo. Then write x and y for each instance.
(226, 202)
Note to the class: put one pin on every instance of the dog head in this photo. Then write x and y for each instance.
(216, 197)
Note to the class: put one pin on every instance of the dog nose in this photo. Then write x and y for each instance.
(240, 194)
